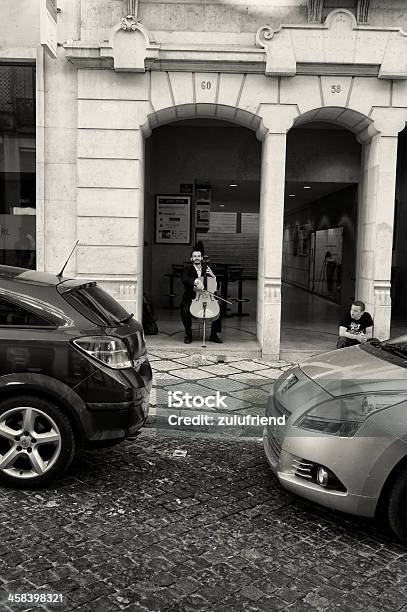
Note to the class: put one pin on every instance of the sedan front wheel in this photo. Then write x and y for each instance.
(37, 442)
(397, 506)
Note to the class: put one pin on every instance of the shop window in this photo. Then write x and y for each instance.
(17, 166)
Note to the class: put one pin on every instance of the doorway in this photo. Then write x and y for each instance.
(213, 168)
(323, 166)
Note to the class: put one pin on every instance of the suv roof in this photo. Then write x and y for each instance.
(33, 276)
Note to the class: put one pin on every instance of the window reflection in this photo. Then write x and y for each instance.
(17, 166)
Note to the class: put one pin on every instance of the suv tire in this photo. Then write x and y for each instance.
(37, 443)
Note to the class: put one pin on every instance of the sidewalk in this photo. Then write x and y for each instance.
(238, 386)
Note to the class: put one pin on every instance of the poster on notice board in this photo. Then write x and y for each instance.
(172, 219)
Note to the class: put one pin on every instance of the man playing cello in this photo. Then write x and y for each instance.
(192, 277)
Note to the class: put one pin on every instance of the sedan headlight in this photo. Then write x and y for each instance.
(343, 416)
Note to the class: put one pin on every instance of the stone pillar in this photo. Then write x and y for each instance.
(40, 159)
(376, 218)
(111, 108)
(59, 151)
(277, 120)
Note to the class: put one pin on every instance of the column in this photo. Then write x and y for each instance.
(277, 120)
(376, 219)
(110, 152)
(40, 159)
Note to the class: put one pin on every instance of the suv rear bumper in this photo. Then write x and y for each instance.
(115, 421)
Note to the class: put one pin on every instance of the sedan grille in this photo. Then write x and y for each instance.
(302, 468)
(279, 409)
(274, 447)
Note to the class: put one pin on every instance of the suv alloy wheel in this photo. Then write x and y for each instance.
(37, 442)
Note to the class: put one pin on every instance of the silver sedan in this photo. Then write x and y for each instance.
(337, 430)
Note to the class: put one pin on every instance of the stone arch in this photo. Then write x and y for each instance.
(358, 123)
(377, 133)
(223, 112)
(217, 112)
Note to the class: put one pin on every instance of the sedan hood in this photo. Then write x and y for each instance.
(354, 370)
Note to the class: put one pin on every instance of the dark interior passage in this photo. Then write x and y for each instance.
(399, 261)
(320, 215)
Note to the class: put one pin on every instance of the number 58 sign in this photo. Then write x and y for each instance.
(335, 90)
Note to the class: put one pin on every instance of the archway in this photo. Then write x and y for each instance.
(324, 184)
(206, 160)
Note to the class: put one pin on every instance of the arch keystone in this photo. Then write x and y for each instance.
(341, 20)
(131, 45)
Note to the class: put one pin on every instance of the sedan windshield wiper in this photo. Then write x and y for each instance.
(126, 319)
(395, 349)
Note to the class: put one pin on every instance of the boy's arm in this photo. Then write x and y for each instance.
(345, 334)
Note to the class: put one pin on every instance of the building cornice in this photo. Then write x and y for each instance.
(339, 46)
(217, 58)
(340, 39)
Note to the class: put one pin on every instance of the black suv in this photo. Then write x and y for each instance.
(74, 373)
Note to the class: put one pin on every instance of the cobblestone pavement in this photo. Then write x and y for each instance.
(136, 528)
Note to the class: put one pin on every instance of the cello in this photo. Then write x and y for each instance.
(205, 305)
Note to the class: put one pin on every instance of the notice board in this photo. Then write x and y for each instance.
(172, 219)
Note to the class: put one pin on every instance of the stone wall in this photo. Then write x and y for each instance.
(19, 23)
(238, 16)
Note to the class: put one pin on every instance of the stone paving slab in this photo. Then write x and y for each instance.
(244, 385)
(220, 369)
(223, 384)
(193, 373)
(249, 366)
(252, 379)
(254, 395)
(167, 354)
(166, 365)
(273, 373)
(165, 378)
(197, 360)
(280, 364)
(135, 528)
(268, 387)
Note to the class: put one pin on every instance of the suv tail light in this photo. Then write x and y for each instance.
(106, 349)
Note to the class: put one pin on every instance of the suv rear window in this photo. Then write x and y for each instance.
(96, 305)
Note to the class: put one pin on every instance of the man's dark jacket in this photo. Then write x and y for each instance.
(189, 275)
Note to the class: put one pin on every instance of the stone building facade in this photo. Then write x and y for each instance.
(125, 68)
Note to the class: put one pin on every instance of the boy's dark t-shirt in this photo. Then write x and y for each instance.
(356, 326)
